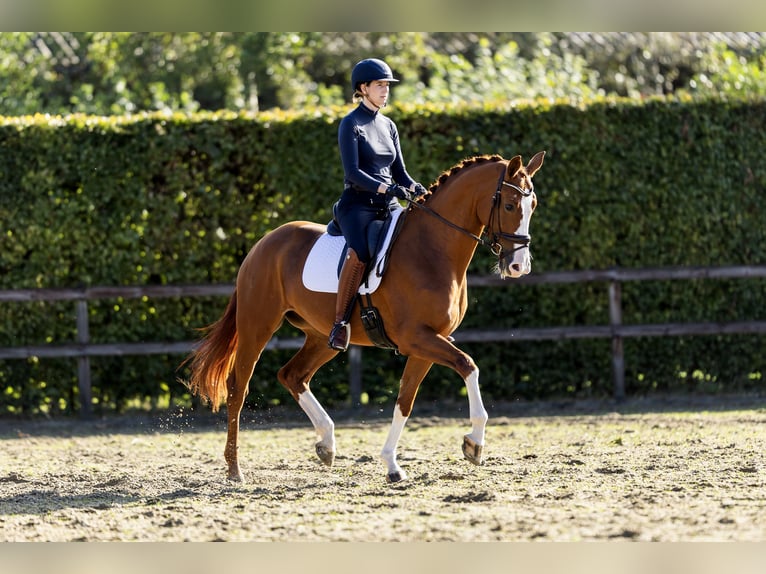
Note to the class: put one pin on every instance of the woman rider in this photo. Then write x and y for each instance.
(375, 178)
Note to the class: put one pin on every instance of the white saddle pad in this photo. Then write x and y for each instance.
(320, 273)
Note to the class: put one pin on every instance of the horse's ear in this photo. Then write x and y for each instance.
(535, 163)
(514, 165)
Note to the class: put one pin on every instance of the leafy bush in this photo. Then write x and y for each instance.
(174, 199)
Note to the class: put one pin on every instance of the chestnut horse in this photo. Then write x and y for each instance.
(422, 299)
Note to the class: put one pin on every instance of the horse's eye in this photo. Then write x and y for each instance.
(509, 207)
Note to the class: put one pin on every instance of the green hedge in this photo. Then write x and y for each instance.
(161, 199)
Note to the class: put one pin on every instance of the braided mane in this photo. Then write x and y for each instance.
(463, 165)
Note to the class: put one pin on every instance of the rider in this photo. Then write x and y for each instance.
(375, 178)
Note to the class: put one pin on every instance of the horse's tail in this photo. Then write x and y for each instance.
(213, 360)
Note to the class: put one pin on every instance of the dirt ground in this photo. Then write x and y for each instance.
(672, 469)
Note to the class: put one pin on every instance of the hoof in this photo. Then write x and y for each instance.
(326, 455)
(235, 476)
(472, 451)
(397, 476)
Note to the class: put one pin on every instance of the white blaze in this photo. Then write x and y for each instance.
(521, 263)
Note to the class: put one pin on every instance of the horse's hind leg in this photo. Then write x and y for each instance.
(249, 349)
(296, 376)
(237, 387)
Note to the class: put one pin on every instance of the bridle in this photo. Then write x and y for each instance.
(519, 240)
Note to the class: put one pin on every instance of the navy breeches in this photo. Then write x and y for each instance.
(356, 210)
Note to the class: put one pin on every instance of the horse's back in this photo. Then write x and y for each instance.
(295, 238)
(281, 252)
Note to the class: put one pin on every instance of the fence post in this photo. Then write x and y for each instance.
(618, 357)
(355, 375)
(83, 361)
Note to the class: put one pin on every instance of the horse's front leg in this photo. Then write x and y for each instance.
(414, 373)
(440, 350)
(473, 443)
(394, 472)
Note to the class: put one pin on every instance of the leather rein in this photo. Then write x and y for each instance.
(520, 240)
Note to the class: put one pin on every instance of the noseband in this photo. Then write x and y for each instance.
(494, 244)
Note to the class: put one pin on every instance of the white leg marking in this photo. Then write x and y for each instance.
(322, 422)
(388, 454)
(478, 414)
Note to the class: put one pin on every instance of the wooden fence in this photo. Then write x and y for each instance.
(82, 349)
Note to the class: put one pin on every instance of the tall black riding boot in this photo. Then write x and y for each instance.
(348, 284)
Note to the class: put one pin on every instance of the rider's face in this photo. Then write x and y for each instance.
(377, 92)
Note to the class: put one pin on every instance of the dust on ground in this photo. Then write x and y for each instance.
(670, 469)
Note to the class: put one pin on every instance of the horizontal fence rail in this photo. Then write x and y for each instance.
(82, 349)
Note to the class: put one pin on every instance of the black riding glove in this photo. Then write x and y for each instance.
(419, 190)
(398, 192)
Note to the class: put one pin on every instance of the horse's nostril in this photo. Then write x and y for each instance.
(516, 267)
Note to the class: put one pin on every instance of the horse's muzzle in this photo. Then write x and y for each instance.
(517, 266)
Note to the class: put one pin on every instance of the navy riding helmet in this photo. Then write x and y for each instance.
(370, 70)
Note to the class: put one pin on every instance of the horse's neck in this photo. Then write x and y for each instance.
(459, 206)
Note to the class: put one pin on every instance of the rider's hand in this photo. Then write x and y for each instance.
(398, 192)
(418, 190)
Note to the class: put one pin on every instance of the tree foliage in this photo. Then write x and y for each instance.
(109, 73)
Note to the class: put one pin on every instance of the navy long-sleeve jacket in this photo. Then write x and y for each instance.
(370, 151)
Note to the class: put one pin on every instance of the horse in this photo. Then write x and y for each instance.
(422, 299)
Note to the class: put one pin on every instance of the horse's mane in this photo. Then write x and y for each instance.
(463, 165)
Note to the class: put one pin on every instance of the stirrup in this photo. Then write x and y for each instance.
(339, 339)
